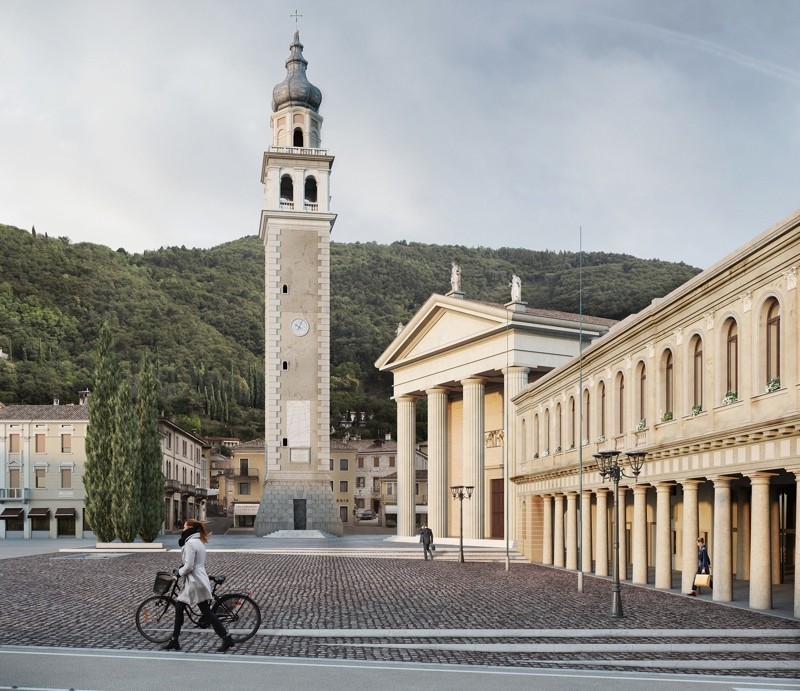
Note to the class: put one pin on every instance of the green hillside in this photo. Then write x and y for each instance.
(201, 313)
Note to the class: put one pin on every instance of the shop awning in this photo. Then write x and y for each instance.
(11, 513)
(39, 512)
(65, 512)
(245, 509)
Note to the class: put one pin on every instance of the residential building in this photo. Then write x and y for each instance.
(343, 478)
(389, 499)
(42, 460)
(242, 485)
(186, 475)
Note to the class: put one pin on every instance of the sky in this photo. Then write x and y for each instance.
(666, 130)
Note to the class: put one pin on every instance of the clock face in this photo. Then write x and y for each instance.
(299, 327)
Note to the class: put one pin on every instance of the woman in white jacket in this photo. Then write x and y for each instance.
(196, 586)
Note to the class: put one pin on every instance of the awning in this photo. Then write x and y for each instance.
(245, 509)
(65, 512)
(39, 512)
(11, 513)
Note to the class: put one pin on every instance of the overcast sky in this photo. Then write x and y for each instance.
(665, 130)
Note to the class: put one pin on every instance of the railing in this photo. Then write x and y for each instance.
(249, 472)
(298, 150)
(188, 490)
(309, 206)
(287, 206)
(15, 494)
(172, 485)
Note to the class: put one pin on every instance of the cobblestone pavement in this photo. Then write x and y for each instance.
(78, 601)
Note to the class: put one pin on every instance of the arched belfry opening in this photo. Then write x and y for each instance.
(310, 195)
(297, 139)
(287, 189)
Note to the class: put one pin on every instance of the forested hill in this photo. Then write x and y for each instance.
(201, 313)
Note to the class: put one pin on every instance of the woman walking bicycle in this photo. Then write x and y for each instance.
(196, 587)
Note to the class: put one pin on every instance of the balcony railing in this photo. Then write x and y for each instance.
(305, 151)
(188, 490)
(248, 472)
(15, 494)
(172, 485)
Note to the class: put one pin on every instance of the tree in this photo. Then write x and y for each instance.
(151, 480)
(100, 439)
(125, 467)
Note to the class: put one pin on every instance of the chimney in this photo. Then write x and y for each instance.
(55, 400)
(388, 436)
(83, 397)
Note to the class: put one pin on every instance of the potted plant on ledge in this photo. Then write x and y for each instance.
(773, 385)
(730, 397)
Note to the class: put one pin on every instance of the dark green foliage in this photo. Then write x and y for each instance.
(201, 313)
(125, 467)
(100, 438)
(151, 476)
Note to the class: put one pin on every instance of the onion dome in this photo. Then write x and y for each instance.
(296, 90)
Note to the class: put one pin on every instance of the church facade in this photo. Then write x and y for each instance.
(704, 382)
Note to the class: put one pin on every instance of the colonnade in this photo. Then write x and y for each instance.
(748, 552)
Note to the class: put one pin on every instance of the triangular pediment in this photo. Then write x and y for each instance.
(443, 323)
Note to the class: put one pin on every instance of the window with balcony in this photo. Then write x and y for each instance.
(244, 466)
(287, 192)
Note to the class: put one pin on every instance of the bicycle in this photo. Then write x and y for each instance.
(155, 617)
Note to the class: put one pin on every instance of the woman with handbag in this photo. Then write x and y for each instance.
(703, 576)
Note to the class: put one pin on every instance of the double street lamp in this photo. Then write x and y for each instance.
(459, 492)
(611, 468)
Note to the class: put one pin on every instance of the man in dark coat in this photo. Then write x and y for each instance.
(426, 538)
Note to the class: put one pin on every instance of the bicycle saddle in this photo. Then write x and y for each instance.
(219, 580)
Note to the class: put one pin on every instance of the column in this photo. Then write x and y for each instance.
(473, 426)
(689, 533)
(797, 545)
(406, 472)
(547, 529)
(572, 531)
(623, 539)
(663, 536)
(514, 380)
(742, 534)
(438, 486)
(721, 559)
(586, 531)
(601, 533)
(639, 534)
(760, 552)
(558, 531)
(775, 540)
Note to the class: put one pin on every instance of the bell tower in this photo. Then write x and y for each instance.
(296, 224)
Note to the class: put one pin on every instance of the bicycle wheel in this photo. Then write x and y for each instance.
(239, 614)
(155, 618)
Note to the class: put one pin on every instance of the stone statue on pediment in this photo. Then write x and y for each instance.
(455, 278)
(516, 288)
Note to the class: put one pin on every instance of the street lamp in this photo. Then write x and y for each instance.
(459, 492)
(610, 467)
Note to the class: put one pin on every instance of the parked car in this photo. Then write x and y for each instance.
(367, 514)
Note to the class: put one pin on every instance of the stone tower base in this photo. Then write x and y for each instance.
(297, 505)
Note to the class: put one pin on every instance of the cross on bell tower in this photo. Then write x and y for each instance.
(296, 224)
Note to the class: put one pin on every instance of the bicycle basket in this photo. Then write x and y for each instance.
(163, 582)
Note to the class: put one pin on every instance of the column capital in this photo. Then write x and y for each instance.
(473, 381)
(602, 490)
(665, 486)
(723, 480)
(434, 390)
(760, 478)
(690, 484)
(515, 369)
(407, 398)
(640, 489)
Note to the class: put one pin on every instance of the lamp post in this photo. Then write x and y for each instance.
(611, 468)
(459, 492)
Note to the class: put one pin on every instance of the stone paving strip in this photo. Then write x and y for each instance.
(401, 610)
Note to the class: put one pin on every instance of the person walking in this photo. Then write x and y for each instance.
(426, 538)
(196, 586)
(703, 563)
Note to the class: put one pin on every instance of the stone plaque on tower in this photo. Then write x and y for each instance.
(295, 227)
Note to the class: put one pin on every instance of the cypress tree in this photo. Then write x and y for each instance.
(125, 467)
(99, 438)
(151, 481)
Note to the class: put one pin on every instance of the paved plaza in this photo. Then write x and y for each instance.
(364, 598)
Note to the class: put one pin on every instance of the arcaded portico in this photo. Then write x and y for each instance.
(467, 359)
(705, 382)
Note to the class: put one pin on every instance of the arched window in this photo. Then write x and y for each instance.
(697, 375)
(297, 137)
(586, 416)
(620, 403)
(642, 402)
(669, 382)
(536, 436)
(571, 422)
(287, 190)
(558, 427)
(524, 440)
(732, 357)
(547, 430)
(602, 411)
(310, 195)
(773, 343)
